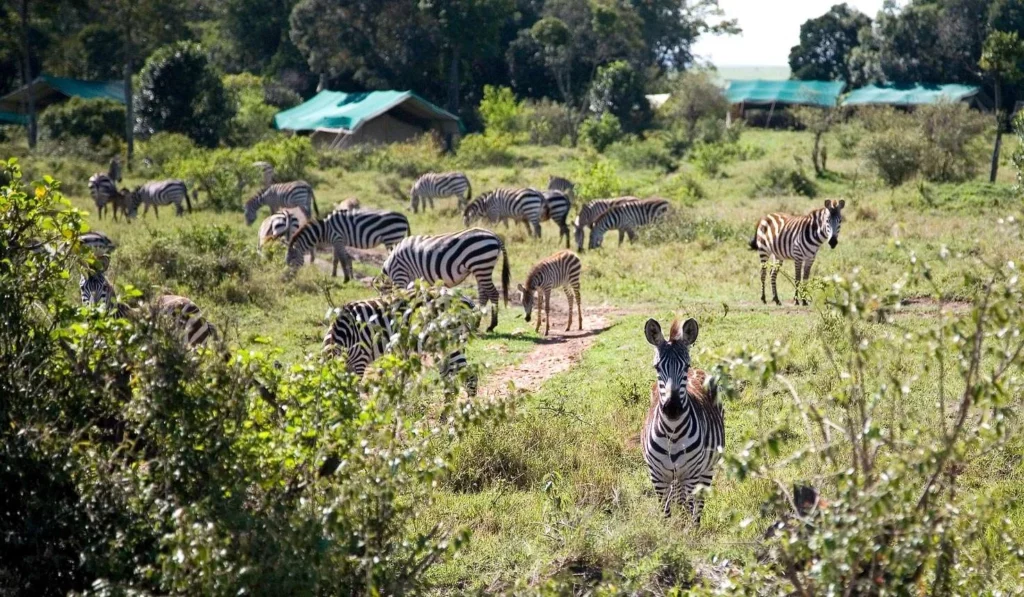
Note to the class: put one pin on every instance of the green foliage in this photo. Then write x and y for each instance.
(826, 43)
(895, 155)
(778, 180)
(619, 89)
(180, 92)
(695, 111)
(408, 160)
(848, 136)
(601, 131)
(636, 153)
(293, 157)
(1018, 154)
(598, 180)
(92, 119)
(951, 134)
(680, 227)
(546, 122)
(131, 461)
(710, 158)
(163, 148)
(224, 175)
(500, 110)
(253, 117)
(486, 149)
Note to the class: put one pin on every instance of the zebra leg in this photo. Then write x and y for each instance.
(568, 296)
(764, 272)
(807, 273)
(536, 229)
(156, 212)
(632, 235)
(547, 311)
(663, 489)
(622, 236)
(796, 267)
(775, 274)
(179, 210)
(486, 291)
(540, 307)
(579, 305)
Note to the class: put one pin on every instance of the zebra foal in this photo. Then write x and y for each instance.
(684, 433)
(561, 270)
(437, 185)
(783, 236)
(521, 205)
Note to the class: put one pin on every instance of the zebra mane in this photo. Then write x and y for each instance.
(674, 331)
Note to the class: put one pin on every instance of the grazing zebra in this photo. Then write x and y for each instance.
(159, 192)
(522, 205)
(627, 217)
(591, 211)
(438, 185)
(363, 229)
(114, 171)
(102, 189)
(561, 270)
(783, 236)
(450, 259)
(283, 224)
(365, 328)
(186, 317)
(266, 172)
(97, 241)
(283, 194)
(557, 183)
(684, 433)
(556, 208)
(348, 205)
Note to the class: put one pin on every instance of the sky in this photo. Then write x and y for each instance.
(770, 29)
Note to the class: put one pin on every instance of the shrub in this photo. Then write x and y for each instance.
(488, 149)
(291, 156)
(163, 148)
(596, 181)
(694, 96)
(1018, 154)
(92, 119)
(252, 120)
(133, 462)
(685, 188)
(546, 122)
(500, 110)
(618, 88)
(642, 153)
(680, 227)
(895, 155)
(408, 160)
(848, 136)
(950, 131)
(778, 180)
(180, 92)
(225, 176)
(600, 132)
(710, 158)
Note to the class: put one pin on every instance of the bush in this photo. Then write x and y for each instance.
(1018, 154)
(500, 110)
(684, 188)
(134, 464)
(180, 92)
(253, 117)
(408, 160)
(895, 154)
(546, 122)
(600, 132)
(848, 136)
(680, 227)
(225, 176)
(950, 132)
(642, 153)
(92, 119)
(292, 156)
(597, 181)
(163, 148)
(488, 149)
(694, 96)
(778, 180)
(710, 158)
(618, 88)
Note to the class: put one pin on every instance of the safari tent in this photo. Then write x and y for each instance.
(908, 95)
(337, 119)
(48, 90)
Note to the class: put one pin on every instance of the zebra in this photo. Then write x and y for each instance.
(522, 205)
(783, 236)
(364, 328)
(362, 229)
(156, 193)
(186, 317)
(559, 270)
(437, 185)
(556, 208)
(114, 171)
(266, 172)
(450, 258)
(297, 193)
(590, 212)
(557, 183)
(97, 241)
(283, 224)
(627, 217)
(96, 289)
(684, 433)
(102, 189)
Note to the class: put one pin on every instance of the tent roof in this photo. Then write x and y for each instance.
(11, 117)
(759, 91)
(908, 94)
(47, 89)
(346, 112)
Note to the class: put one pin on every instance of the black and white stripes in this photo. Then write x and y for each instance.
(102, 189)
(297, 193)
(159, 192)
(281, 225)
(561, 270)
(361, 229)
(557, 183)
(499, 205)
(186, 319)
(782, 236)
(627, 217)
(556, 208)
(684, 433)
(590, 212)
(450, 259)
(437, 185)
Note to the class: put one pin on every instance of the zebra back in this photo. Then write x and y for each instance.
(297, 193)
(186, 317)
(556, 206)
(101, 188)
(160, 192)
(436, 185)
(557, 183)
(97, 241)
(524, 205)
(561, 269)
(448, 258)
(627, 215)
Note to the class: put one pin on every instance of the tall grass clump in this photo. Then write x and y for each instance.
(597, 180)
(778, 180)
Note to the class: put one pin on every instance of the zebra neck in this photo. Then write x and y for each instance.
(672, 413)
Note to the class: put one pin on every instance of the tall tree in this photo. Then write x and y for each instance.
(1001, 57)
(671, 27)
(826, 43)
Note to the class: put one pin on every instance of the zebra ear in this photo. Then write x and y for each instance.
(828, 203)
(653, 332)
(521, 289)
(842, 204)
(689, 332)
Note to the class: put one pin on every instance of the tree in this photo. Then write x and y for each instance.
(669, 28)
(26, 72)
(1001, 58)
(619, 89)
(826, 43)
(179, 92)
(818, 121)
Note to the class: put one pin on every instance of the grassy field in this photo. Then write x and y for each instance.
(575, 441)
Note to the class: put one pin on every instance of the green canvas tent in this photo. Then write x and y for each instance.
(912, 94)
(760, 92)
(48, 90)
(340, 119)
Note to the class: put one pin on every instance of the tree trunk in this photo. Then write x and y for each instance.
(453, 81)
(815, 155)
(26, 74)
(129, 96)
(999, 137)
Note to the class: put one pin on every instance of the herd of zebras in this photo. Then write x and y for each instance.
(683, 435)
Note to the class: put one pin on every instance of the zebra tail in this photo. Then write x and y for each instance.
(506, 275)
(188, 202)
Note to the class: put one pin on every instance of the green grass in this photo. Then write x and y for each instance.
(577, 436)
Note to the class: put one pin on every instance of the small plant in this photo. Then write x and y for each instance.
(778, 180)
(488, 149)
(642, 153)
(601, 131)
(597, 181)
(710, 158)
(500, 110)
(895, 155)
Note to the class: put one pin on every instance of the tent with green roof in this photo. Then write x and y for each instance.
(341, 119)
(912, 94)
(47, 90)
(760, 92)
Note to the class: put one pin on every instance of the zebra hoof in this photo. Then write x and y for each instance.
(777, 302)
